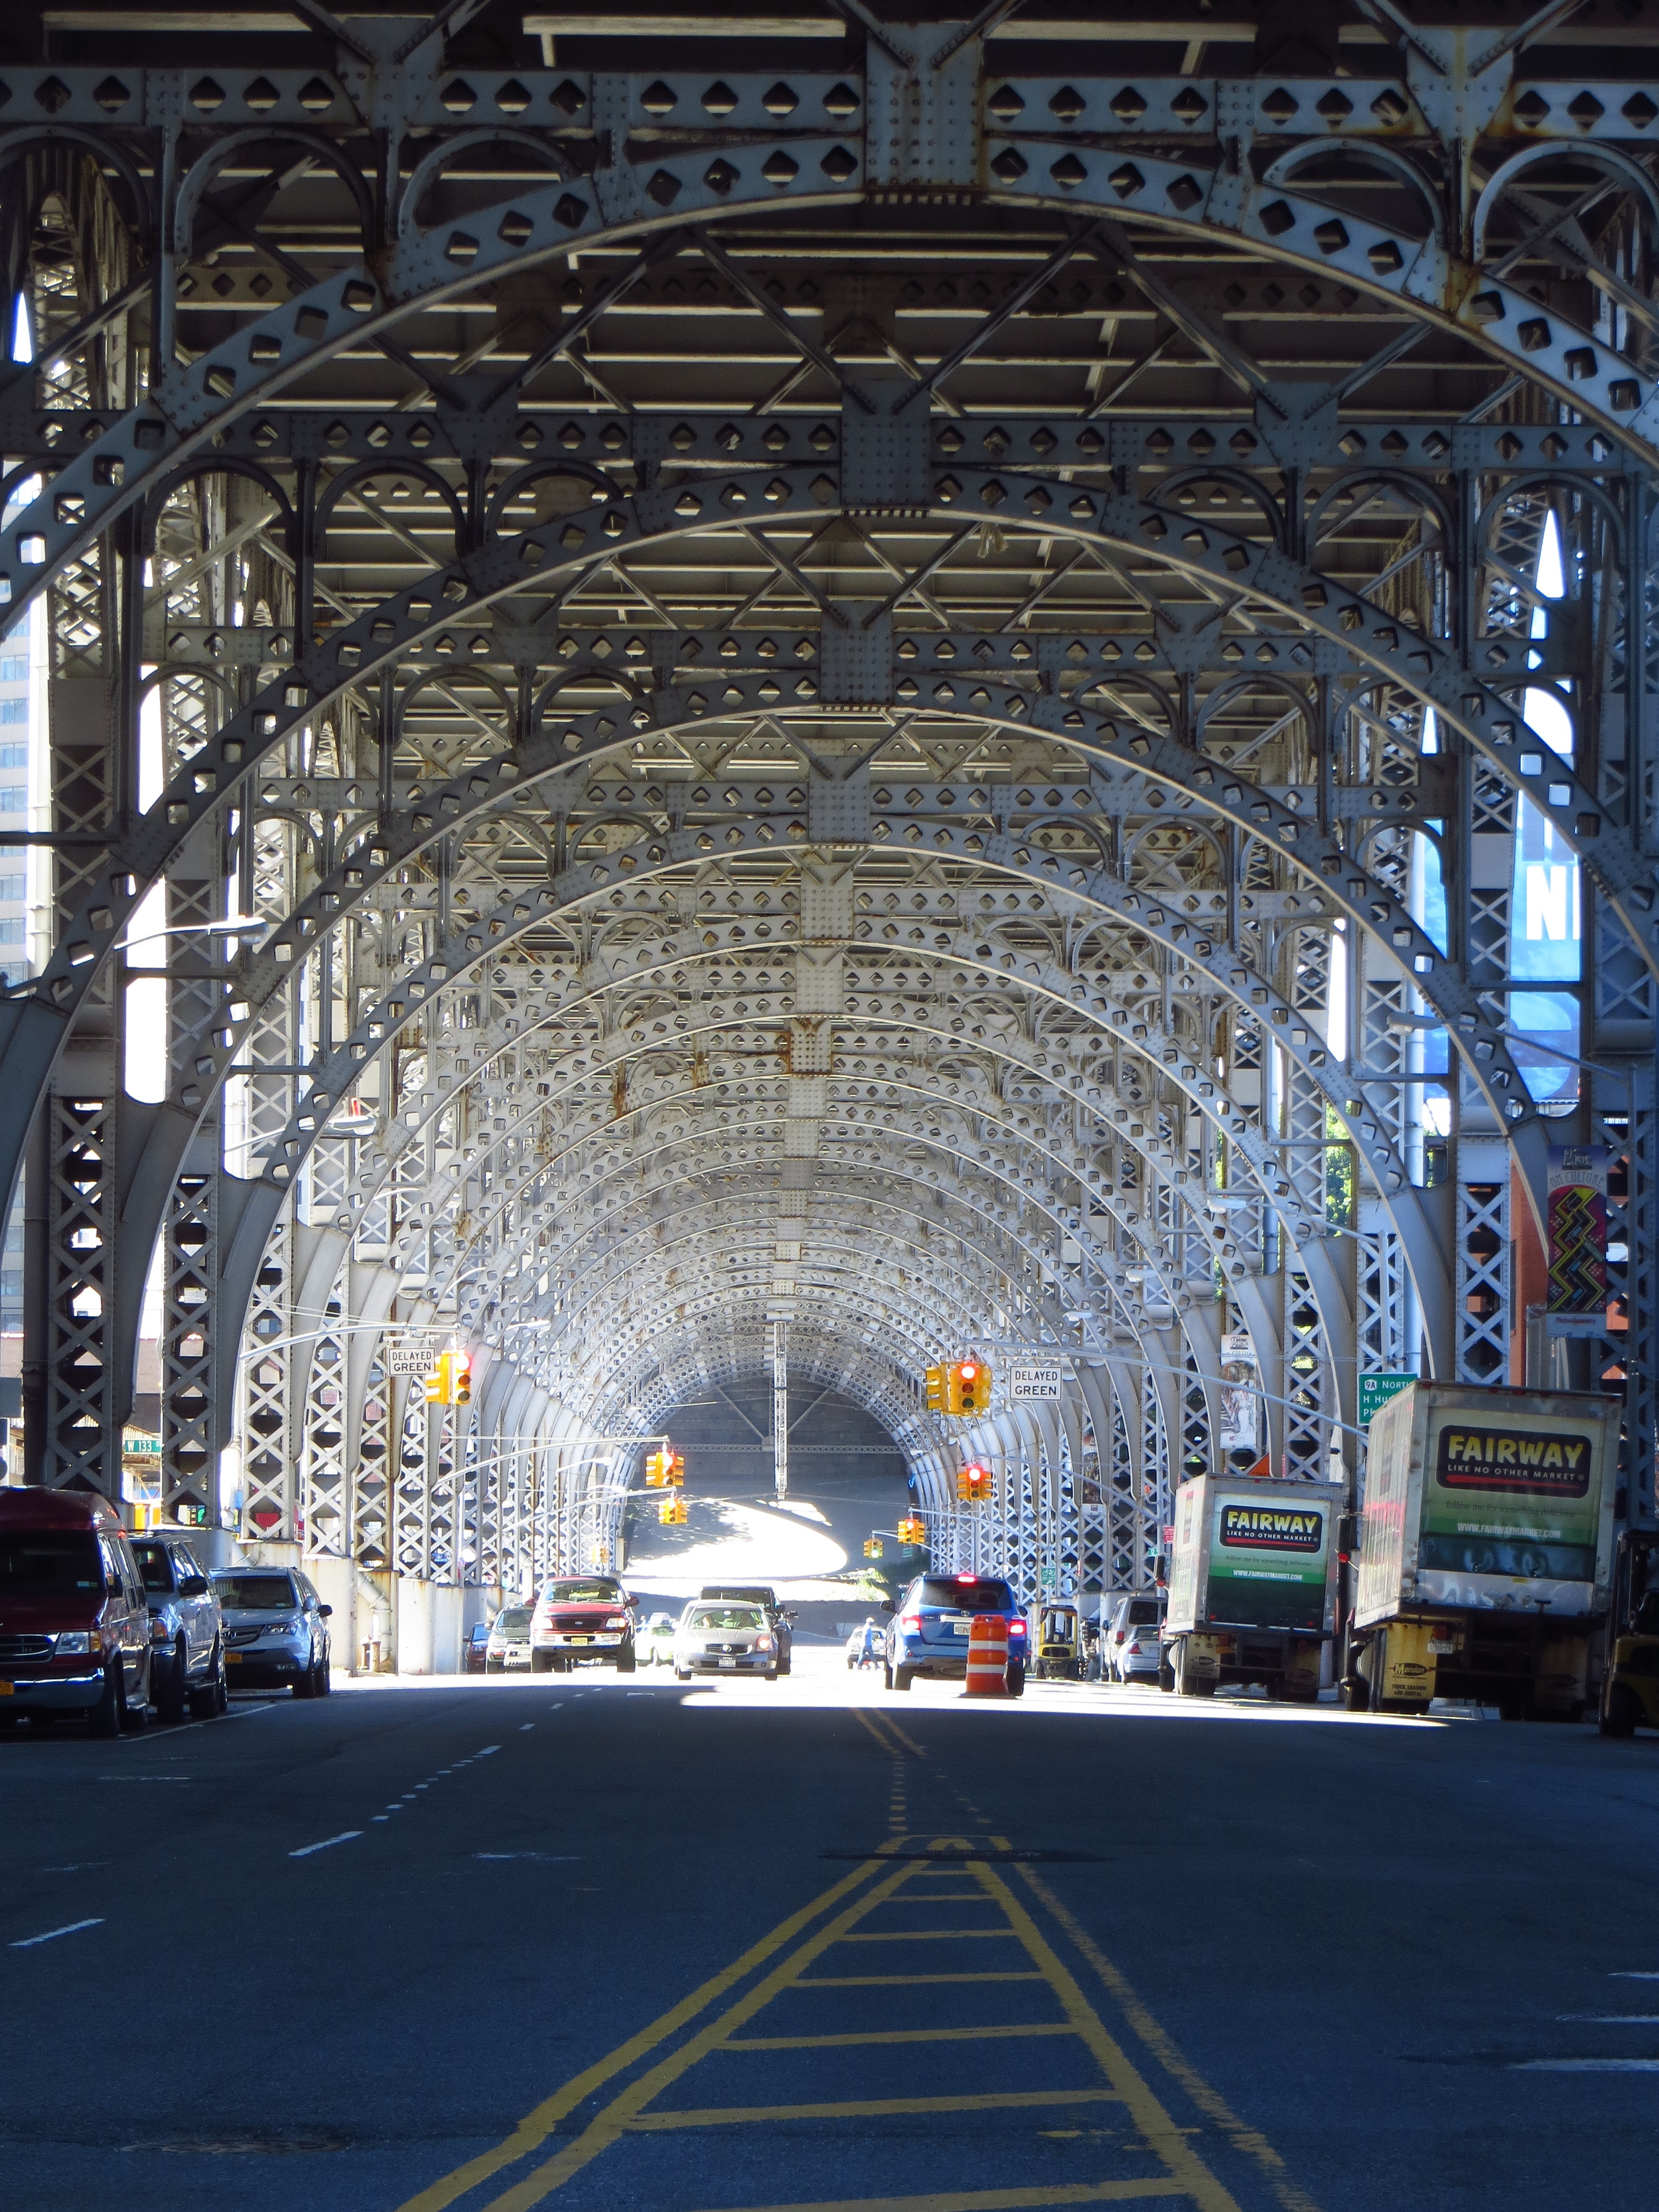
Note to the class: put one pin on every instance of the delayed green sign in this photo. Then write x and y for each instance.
(1375, 1391)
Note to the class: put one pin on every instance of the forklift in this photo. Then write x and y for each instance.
(1058, 1643)
(1630, 1684)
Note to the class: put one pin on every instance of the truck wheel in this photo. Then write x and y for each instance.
(1017, 1679)
(541, 1662)
(901, 1678)
(625, 1660)
(1356, 1694)
(1621, 1713)
(1165, 1675)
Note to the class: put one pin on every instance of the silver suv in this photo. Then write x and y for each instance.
(186, 1638)
(276, 1629)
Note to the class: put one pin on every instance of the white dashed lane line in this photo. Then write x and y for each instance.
(74, 1928)
(345, 1836)
(376, 1820)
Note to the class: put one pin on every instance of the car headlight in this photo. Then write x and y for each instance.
(71, 1640)
(296, 1626)
(158, 1629)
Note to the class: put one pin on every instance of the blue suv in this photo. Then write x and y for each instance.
(928, 1633)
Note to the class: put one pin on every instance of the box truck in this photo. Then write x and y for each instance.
(1251, 1585)
(1485, 1549)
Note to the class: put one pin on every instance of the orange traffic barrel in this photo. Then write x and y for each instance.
(988, 1656)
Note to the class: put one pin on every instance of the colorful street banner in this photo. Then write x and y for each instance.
(1576, 1301)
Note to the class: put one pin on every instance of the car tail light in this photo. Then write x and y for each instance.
(1016, 1628)
(1134, 1648)
(1119, 1634)
(912, 1621)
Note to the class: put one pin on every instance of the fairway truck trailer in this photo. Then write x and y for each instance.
(1485, 1549)
(1252, 1594)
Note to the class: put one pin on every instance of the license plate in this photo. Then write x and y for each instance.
(5, 1689)
(960, 1627)
(579, 1640)
(234, 1658)
(728, 1662)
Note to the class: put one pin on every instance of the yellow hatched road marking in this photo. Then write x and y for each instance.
(867, 1889)
(908, 1981)
(536, 2126)
(1157, 2130)
(610, 2125)
(896, 2035)
(1249, 2140)
(867, 2108)
(992, 2200)
(935, 1935)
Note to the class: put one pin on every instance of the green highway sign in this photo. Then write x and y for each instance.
(1375, 1391)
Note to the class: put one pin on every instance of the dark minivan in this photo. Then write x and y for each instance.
(74, 1622)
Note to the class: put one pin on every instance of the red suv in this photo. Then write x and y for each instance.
(74, 1621)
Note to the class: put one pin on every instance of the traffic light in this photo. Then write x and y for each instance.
(676, 1475)
(673, 1513)
(872, 1548)
(938, 1390)
(974, 1484)
(450, 1382)
(656, 1470)
(968, 1387)
(913, 1529)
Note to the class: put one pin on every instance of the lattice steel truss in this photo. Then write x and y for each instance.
(904, 694)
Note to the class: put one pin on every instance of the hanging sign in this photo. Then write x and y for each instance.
(1576, 1303)
(411, 1355)
(1031, 1380)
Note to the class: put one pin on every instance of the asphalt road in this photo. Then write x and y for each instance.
(618, 1947)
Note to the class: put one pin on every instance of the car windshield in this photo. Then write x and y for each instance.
(588, 1593)
(515, 1621)
(48, 1562)
(254, 1593)
(727, 1616)
(1142, 1614)
(967, 1596)
(153, 1565)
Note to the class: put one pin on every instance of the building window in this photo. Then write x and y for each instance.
(13, 798)
(11, 931)
(14, 669)
(14, 887)
(14, 756)
(13, 710)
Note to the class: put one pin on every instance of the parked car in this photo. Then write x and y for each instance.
(864, 1645)
(724, 1639)
(509, 1639)
(276, 1629)
(657, 1642)
(762, 1595)
(74, 1623)
(186, 1630)
(928, 1632)
(1132, 1644)
(583, 1618)
(475, 1650)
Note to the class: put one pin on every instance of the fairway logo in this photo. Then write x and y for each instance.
(1271, 1528)
(1515, 1460)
